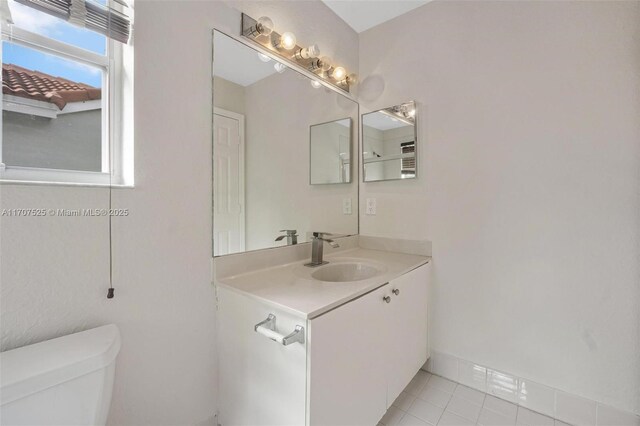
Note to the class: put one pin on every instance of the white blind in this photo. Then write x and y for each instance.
(408, 163)
(89, 14)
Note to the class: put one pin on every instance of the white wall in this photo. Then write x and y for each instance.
(529, 189)
(54, 273)
(229, 95)
(279, 111)
(331, 145)
(278, 194)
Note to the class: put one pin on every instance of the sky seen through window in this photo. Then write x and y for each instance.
(58, 29)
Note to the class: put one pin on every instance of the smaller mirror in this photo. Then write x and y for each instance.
(330, 153)
(389, 143)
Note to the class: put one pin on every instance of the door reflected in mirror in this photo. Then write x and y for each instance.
(330, 147)
(389, 143)
(263, 160)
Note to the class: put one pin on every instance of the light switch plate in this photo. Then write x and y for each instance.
(371, 206)
(346, 206)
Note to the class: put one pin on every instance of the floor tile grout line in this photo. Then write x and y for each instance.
(444, 410)
(487, 394)
(451, 394)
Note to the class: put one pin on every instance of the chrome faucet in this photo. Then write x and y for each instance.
(291, 235)
(317, 244)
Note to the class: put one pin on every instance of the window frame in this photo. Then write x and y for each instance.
(113, 170)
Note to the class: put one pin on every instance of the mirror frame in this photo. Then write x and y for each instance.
(415, 138)
(350, 152)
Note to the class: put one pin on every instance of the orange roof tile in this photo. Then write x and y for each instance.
(25, 83)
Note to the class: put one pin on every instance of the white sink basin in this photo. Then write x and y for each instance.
(345, 272)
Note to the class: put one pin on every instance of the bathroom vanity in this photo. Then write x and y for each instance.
(307, 340)
(331, 345)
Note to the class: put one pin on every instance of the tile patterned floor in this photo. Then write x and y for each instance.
(431, 400)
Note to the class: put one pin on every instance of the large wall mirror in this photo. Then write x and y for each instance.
(389, 143)
(282, 153)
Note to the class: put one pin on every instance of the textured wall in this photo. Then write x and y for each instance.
(529, 182)
(54, 273)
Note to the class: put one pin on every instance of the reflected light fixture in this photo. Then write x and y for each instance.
(405, 113)
(280, 67)
(263, 57)
(315, 84)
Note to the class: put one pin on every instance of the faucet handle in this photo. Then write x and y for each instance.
(290, 231)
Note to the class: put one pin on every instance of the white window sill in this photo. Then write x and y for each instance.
(54, 177)
(78, 184)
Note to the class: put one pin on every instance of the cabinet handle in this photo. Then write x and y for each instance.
(395, 291)
(387, 299)
(268, 329)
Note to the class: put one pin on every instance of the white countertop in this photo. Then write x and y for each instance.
(291, 287)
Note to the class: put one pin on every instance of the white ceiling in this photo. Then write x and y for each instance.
(364, 14)
(238, 63)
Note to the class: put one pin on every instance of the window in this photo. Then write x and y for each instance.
(66, 93)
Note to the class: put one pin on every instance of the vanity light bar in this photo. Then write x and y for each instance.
(285, 46)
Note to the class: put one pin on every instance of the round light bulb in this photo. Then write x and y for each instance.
(339, 73)
(263, 57)
(264, 25)
(312, 51)
(412, 112)
(280, 67)
(287, 41)
(325, 63)
(352, 78)
(315, 84)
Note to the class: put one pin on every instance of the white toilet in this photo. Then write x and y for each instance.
(63, 381)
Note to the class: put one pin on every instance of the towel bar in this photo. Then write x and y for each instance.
(267, 328)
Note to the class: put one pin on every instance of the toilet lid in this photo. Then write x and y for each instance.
(32, 368)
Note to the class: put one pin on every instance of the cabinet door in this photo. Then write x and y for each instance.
(407, 342)
(261, 382)
(347, 353)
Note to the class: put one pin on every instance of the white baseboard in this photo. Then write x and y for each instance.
(543, 399)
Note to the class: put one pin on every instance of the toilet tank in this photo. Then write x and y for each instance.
(63, 381)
